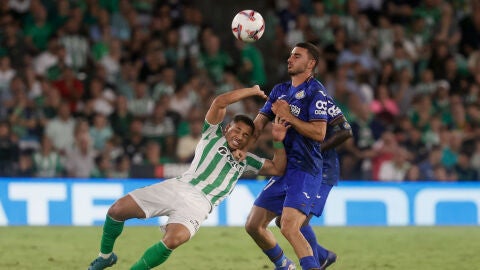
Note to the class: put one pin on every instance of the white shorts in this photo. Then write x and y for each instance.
(180, 201)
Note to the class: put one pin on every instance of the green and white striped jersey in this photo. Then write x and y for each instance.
(214, 171)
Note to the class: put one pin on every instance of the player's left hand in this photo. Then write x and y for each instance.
(281, 109)
(279, 129)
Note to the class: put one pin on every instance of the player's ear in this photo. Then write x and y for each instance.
(311, 63)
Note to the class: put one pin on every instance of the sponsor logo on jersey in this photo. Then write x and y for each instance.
(222, 150)
(321, 107)
(300, 94)
(295, 110)
(333, 111)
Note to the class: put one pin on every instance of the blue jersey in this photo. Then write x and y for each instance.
(331, 167)
(308, 102)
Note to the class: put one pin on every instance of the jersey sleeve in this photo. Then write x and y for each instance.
(318, 106)
(254, 163)
(333, 111)
(208, 130)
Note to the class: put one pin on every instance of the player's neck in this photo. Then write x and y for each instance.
(300, 78)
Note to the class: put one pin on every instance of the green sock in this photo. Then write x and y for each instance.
(153, 256)
(111, 230)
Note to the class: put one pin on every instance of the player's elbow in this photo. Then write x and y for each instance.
(349, 133)
(319, 136)
(220, 102)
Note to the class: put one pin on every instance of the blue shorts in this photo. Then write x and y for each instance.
(296, 189)
(321, 199)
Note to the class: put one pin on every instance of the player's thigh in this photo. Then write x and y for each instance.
(125, 208)
(272, 196)
(321, 199)
(302, 189)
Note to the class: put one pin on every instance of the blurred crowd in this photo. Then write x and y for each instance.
(103, 88)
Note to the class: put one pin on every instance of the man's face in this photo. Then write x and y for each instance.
(237, 135)
(298, 61)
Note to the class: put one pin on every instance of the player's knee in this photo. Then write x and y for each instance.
(174, 241)
(287, 231)
(252, 228)
(115, 211)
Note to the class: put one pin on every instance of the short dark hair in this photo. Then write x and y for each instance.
(245, 119)
(313, 50)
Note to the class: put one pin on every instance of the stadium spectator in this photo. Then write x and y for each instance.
(166, 85)
(186, 144)
(396, 169)
(80, 158)
(46, 161)
(76, 44)
(141, 105)
(121, 118)
(427, 167)
(7, 72)
(413, 174)
(134, 144)
(154, 156)
(161, 128)
(213, 58)
(24, 167)
(71, 88)
(470, 30)
(121, 167)
(463, 169)
(61, 128)
(102, 168)
(9, 150)
(100, 131)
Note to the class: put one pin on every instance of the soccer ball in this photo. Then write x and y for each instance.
(248, 25)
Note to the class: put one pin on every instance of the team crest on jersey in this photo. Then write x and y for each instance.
(300, 94)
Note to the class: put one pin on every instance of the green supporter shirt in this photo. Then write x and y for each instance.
(39, 34)
(215, 64)
(257, 74)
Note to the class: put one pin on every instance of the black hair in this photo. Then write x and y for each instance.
(313, 50)
(245, 119)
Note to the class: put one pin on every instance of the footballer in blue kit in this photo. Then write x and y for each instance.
(302, 103)
(338, 131)
(298, 187)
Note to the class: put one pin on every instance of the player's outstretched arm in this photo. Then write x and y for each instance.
(277, 165)
(218, 109)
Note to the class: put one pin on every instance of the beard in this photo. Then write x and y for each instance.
(295, 71)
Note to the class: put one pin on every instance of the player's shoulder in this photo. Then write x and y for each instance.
(282, 85)
(315, 85)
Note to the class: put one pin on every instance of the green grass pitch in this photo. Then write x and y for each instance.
(224, 248)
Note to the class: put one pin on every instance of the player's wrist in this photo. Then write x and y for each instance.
(278, 145)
